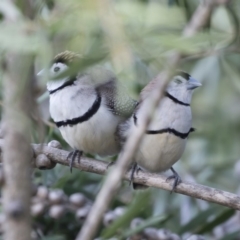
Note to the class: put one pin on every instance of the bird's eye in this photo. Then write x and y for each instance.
(178, 81)
(56, 69)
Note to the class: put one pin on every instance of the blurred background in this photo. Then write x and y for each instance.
(135, 40)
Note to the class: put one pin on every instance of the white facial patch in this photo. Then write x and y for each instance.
(179, 79)
(58, 68)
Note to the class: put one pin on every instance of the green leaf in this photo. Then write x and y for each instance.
(231, 236)
(197, 221)
(21, 37)
(81, 66)
(232, 73)
(147, 223)
(134, 209)
(223, 216)
(56, 237)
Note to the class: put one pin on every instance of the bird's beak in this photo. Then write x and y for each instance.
(193, 83)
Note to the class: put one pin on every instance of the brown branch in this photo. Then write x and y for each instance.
(17, 154)
(194, 190)
(16, 150)
(201, 16)
(152, 180)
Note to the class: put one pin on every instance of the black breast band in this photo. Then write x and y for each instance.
(172, 131)
(86, 116)
(66, 84)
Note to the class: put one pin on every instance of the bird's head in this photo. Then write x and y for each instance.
(62, 62)
(61, 66)
(182, 86)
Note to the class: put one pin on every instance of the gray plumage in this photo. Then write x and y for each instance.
(166, 137)
(87, 107)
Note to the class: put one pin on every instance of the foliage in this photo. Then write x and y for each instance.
(135, 39)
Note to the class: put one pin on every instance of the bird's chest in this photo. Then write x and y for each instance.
(96, 135)
(159, 152)
(172, 115)
(70, 103)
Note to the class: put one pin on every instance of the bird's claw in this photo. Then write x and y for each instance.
(136, 186)
(134, 169)
(177, 179)
(110, 164)
(76, 154)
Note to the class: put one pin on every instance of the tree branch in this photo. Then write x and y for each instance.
(201, 16)
(18, 99)
(16, 149)
(152, 180)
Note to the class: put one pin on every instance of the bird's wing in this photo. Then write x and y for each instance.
(117, 99)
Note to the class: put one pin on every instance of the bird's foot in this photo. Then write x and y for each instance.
(177, 179)
(110, 164)
(136, 186)
(133, 170)
(76, 154)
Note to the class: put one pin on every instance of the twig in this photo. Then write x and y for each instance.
(202, 192)
(16, 150)
(152, 180)
(17, 103)
(200, 18)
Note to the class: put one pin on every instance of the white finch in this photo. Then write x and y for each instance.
(87, 107)
(164, 142)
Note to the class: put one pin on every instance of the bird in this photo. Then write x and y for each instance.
(86, 106)
(165, 139)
